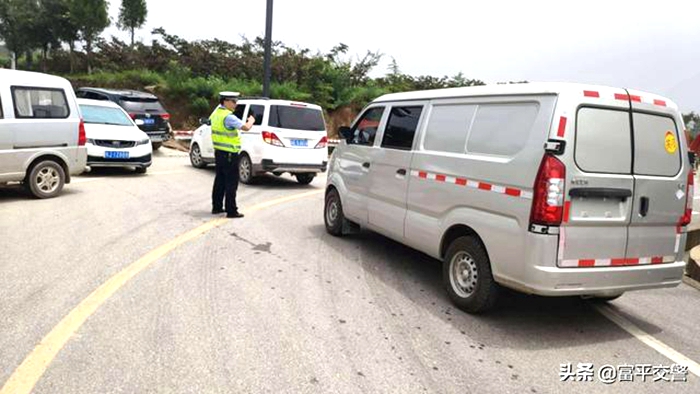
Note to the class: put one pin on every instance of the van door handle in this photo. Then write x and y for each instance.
(643, 206)
(365, 165)
(401, 171)
(601, 192)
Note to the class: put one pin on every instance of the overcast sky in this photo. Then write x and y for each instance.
(651, 46)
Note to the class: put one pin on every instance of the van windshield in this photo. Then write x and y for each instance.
(297, 118)
(93, 114)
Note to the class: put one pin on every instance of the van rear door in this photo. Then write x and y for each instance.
(599, 184)
(660, 179)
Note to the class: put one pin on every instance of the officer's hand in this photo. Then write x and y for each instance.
(251, 119)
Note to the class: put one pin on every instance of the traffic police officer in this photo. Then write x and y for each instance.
(225, 127)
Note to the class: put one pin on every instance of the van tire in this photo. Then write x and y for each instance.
(45, 179)
(333, 215)
(473, 289)
(245, 169)
(196, 157)
(601, 299)
(305, 179)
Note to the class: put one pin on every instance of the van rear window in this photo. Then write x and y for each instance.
(131, 104)
(41, 103)
(656, 145)
(296, 118)
(603, 141)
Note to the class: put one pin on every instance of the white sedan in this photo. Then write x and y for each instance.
(113, 138)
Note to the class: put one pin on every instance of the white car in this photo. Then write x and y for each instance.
(113, 138)
(286, 137)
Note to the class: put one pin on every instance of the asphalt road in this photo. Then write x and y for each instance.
(271, 303)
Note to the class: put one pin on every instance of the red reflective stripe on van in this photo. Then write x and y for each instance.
(634, 261)
(636, 98)
(513, 192)
(567, 211)
(562, 127)
(591, 93)
(657, 260)
(586, 263)
(660, 103)
(440, 178)
(485, 186)
(423, 174)
(618, 262)
(461, 182)
(620, 96)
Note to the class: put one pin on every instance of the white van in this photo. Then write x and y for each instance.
(287, 136)
(549, 189)
(42, 137)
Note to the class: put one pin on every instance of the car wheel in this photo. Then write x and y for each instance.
(156, 145)
(333, 213)
(305, 179)
(196, 157)
(141, 170)
(467, 276)
(45, 179)
(603, 298)
(245, 170)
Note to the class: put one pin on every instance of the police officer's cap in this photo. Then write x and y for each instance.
(229, 95)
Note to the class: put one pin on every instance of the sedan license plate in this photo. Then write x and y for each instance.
(299, 142)
(116, 155)
(149, 121)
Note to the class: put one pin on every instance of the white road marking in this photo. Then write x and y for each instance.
(648, 340)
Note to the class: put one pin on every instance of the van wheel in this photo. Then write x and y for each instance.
(45, 179)
(245, 170)
(333, 214)
(196, 157)
(603, 298)
(305, 179)
(466, 273)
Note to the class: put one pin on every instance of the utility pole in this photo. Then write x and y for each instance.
(268, 51)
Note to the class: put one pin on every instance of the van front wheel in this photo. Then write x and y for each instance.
(333, 213)
(466, 273)
(45, 179)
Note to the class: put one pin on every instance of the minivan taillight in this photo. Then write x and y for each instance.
(165, 116)
(548, 194)
(323, 143)
(133, 116)
(82, 138)
(271, 138)
(689, 194)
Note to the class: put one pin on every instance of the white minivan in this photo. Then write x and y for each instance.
(287, 136)
(549, 189)
(42, 136)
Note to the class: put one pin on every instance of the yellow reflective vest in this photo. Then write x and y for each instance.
(223, 138)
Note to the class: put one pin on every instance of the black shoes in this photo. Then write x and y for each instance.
(234, 215)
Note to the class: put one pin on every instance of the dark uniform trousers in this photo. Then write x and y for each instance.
(226, 181)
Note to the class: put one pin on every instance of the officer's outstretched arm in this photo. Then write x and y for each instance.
(249, 124)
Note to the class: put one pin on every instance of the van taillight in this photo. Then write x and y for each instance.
(165, 116)
(689, 194)
(548, 195)
(81, 134)
(323, 143)
(271, 138)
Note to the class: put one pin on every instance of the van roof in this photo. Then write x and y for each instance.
(506, 89)
(30, 78)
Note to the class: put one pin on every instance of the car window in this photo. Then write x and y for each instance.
(603, 141)
(502, 129)
(296, 117)
(656, 150)
(132, 104)
(401, 127)
(94, 96)
(93, 114)
(240, 111)
(41, 103)
(366, 127)
(257, 111)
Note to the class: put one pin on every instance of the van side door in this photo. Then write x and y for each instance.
(389, 170)
(354, 162)
(661, 170)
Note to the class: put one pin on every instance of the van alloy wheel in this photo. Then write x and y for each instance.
(464, 274)
(47, 180)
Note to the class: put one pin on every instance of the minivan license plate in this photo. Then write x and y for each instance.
(149, 121)
(299, 142)
(116, 155)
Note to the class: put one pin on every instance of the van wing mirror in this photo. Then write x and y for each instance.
(205, 121)
(345, 132)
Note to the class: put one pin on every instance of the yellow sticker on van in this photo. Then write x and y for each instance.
(671, 143)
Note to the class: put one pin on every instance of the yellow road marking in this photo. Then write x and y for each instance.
(27, 374)
(649, 340)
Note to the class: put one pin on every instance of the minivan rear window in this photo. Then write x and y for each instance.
(42, 103)
(656, 145)
(132, 104)
(603, 141)
(296, 118)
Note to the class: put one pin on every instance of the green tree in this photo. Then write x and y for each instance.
(132, 15)
(91, 19)
(18, 20)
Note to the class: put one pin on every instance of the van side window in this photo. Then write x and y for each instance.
(401, 127)
(656, 145)
(41, 103)
(603, 141)
(366, 127)
(256, 111)
(502, 129)
(240, 110)
(448, 126)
